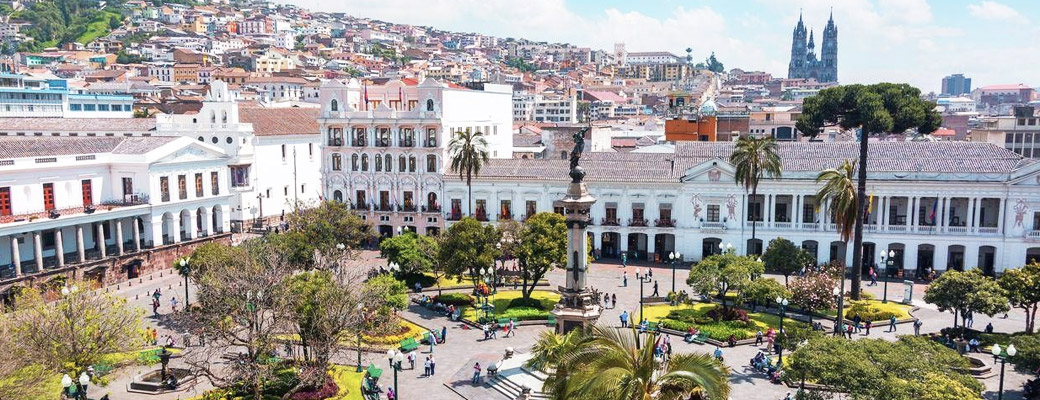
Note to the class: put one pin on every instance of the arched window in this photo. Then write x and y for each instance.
(223, 117)
(212, 117)
(379, 163)
(337, 162)
(429, 105)
(411, 164)
(402, 165)
(431, 163)
(354, 162)
(389, 163)
(364, 162)
(334, 106)
(337, 196)
(202, 139)
(431, 202)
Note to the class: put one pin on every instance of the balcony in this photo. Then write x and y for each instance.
(408, 208)
(360, 207)
(810, 226)
(1032, 235)
(664, 223)
(504, 217)
(482, 216)
(32, 215)
(636, 222)
(992, 230)
(407, 143)
(609, 222)
(783, 225)
(359, 143)
(335, 142)
(385, 142)
(432, 209)
(716, 226)
(384, 207)
(430, 143)
(454, 216)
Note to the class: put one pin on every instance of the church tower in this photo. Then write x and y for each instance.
(798, 50)
(829, 52)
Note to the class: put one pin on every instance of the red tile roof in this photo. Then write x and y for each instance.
(281, 121)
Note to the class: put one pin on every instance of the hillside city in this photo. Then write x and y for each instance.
(229, 199)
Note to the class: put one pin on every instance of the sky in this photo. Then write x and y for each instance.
(913, 41)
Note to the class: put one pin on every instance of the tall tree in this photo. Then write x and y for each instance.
(1022, 286)
(838, 194)
(606, 363)
(753, 160)
(74, 331)
(323, 227)
(784, 257)
(415, 254)
(542, 247)
(812, 292)
(468, 246)
(469, 153)
(966, 292)
(873, 109)
(720, 273)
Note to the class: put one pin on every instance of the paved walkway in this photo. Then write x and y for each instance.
(454, 359)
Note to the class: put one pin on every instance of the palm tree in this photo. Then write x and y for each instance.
(469, 153)
(606, 364)
(840, 193)
(550, 348)
(753, 160)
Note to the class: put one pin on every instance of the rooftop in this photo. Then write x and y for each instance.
(27, 146)
(99, 125)
(281, 121)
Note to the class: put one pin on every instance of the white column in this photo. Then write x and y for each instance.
(946, 212)
(100, 240)
(175, 227)
(81, 251)
(59, 247)
(38, 250)
(1000, 216)
(16, 256)
(207, 221)
(119, 236)
(137, 233)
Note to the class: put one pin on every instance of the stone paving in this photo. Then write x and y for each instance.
(464, 346)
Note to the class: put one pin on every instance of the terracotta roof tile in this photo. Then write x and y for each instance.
(42, 146)
(281, 121)
(99, 125)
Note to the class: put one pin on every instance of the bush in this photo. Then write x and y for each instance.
(727, 314)
(722, 330)
(423, 279)
(454, 299)
(522, 302)
(870, 311)
(676, 324)
(1028, 356)
(524, 314)
(328, 390)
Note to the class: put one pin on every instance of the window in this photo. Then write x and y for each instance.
(117, 107)
(402, 165)
(429, 105)
(389, 163)
(431, 163)
(214, 183)
(407, 137)
(335, 136)
(283, 152)
(481, 208)
(337, 196)
(48, 196)
(102, 107)
(360, 137)
(379, 163)
(74, 107)
(182, 187)
(198, 185)
(409, 203)
(88, 192)
(384, 137)
(89, 107)
(354, 162)
(384, 200)
(214, 140)
(285, 191)
(431, 137)
(360, 196)
(364, 162)
(303, 188)
(164, 188)
(755, 208)
(505, 209)
(227, 140)
(456, 208)
(411, 164)
(334, 105)
(5, 201)
(310, 149)
(128, 186)
(337, 162)
(713, 213)
(532, 208)
(240, 176)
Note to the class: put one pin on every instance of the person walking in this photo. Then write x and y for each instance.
(433, 342)
(390, 395)
(970, 320)
(444, 334)
(427, 367)
(624, 279)
(606, 300)
(650, 273)
(892, 323)
(655, 289)
(173, 304)
(512, 328)
(624, 319)
(613, 300)
(484, 328)
(758, 338)
(868, 324)
(917, 327)
(433, 365)
(855, 321)
(411, 360)
(624, 260)
(873, 277)
(155, 307)
(476, 373)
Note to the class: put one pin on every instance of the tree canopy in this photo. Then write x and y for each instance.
(713, 65)
(322, 228)
(468, 246)
(877, 108)
(966, 292)
(718, 274)
(1022, 287)
(414, 253)
(542, 247)
(813, 291)
(785, 258)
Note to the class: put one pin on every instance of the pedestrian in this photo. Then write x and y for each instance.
(444, 333)
(970, 320)
(606, 300)
(155, 306)
(494, 331)
(476, 373)
(650, 273)
(512, 328)
(418, 287)
(624, 319)
(873, 277)
(655, 288)
(849, 330)
(624, 261)
(758, 338)
(613, 300)
(427, 367)
(433, 342)
(433, 365)
(892, 323)
(411, 360)
(624, 279)
(390, 395)
(917, 327)
(989, 327)
(855, 321)
(157, 293)
(173, 304)
(484, 328)
(868, 327)
(155, 337)
(289, 348)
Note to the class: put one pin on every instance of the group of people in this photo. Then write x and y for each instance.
(609, 300)
(491, 329)
(156, 296)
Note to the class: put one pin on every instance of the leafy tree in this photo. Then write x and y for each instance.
(1022, 287)
(714, 65)
(720, 273)
(390, 290)
(873, 109)
(19, 377)
(324, 227)
(966, 292)
(765, 291)
(550, 348)
(607, 363)
(520, 64)
(784, 257)
(754, 159)
(73, 331)
(213, 255)
(415, 254)
(542, 247)
(467, 247)
(122, 57)
(469, 153)
(813, 292)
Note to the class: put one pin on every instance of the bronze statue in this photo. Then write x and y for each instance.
(578, 173)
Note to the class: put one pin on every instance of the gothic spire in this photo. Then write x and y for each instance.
(811, 43)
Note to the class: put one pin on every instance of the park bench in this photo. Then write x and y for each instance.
(700, 338)
(552, 319)
(374, 372)
(409, 344)
(652, 327)
(369, 387)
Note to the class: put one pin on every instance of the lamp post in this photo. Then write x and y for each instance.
(66, 380)
(186, 270)
(1002, 355)
(643, 279)
(394, 267)
(782, 303)
(395, 358)
(675, 257)
(839, 294)
(361, 309)
(890, 262)
(66, 383)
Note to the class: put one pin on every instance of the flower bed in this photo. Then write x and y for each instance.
(404, 330)
(743, 325)
(510, 304)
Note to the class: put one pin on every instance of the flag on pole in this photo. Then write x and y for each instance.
(870, 202)
(935, 208)
(366, 96)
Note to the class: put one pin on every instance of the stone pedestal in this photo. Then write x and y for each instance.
(576, 308)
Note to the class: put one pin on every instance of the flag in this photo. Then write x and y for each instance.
(366, 96)
(935, 207)
(870, 202)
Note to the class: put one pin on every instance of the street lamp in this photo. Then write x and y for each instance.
(394, 267)
(395, 358)
(839, 294)
(361, 309)
(675, 257)
(998, 354)
(185, 269)
(782, 303)
(643, 279)
(888, 269)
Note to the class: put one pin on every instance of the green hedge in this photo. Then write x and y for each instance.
(870, 312)
(529, 303)
(1028, 347)
(523, 314)
(423, 279)
(455, 299)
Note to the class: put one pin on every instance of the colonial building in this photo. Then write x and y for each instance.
(385, 150)
(936, 206)
(105, 208)
(804, 63)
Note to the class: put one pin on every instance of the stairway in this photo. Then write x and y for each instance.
(513, 377)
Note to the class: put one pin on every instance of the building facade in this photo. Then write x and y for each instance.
(385, 147)
(24, 96)
(804, 63)
(937, 206)
(956, 85)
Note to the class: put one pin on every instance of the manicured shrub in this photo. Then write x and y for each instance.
(423, 279)
(455, 299)
(727, 314)
(326, 391)
(869, 311)
(522, 302)
(1028, 356)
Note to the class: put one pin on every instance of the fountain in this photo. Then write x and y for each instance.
(163, 380)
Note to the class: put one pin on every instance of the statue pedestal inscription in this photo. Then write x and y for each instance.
(576, 308)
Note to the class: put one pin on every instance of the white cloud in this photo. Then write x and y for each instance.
(993, 11)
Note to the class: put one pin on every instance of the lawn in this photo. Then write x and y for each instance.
(390, 338)
(52, 384)
(97, 28)
(716, 330)
(873, 310)
(349, 382)
(507, 305)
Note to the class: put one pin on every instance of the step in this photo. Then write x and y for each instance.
(503, 384)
